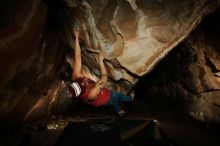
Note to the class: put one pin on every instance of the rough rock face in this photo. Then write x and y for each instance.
(203, 84)
(188, 78)
(21, 29)
(135, 35)
(28, 64)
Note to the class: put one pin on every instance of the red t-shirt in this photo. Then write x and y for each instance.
(84, 84)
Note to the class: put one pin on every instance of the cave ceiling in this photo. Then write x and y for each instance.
(138, 33)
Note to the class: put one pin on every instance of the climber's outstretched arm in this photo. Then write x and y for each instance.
(93, 93)
(77, 57)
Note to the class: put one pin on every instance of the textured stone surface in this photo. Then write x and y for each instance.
(21, 30)
(28, 66)
(136, 33)
(187, 79)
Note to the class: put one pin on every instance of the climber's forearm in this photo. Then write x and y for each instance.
(77, 54)
(104, 76)
(77, 58)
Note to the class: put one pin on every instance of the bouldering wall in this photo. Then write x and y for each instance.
(188, 78)
(22, 26)
(36, 37)
(30, 63)
(137, 33)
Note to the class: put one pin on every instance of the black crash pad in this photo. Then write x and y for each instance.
(93, 133)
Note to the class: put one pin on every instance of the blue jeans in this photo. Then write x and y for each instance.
(115, 97)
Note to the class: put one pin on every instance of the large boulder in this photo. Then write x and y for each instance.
(135, 35)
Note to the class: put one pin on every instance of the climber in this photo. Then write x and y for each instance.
(91, 92)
